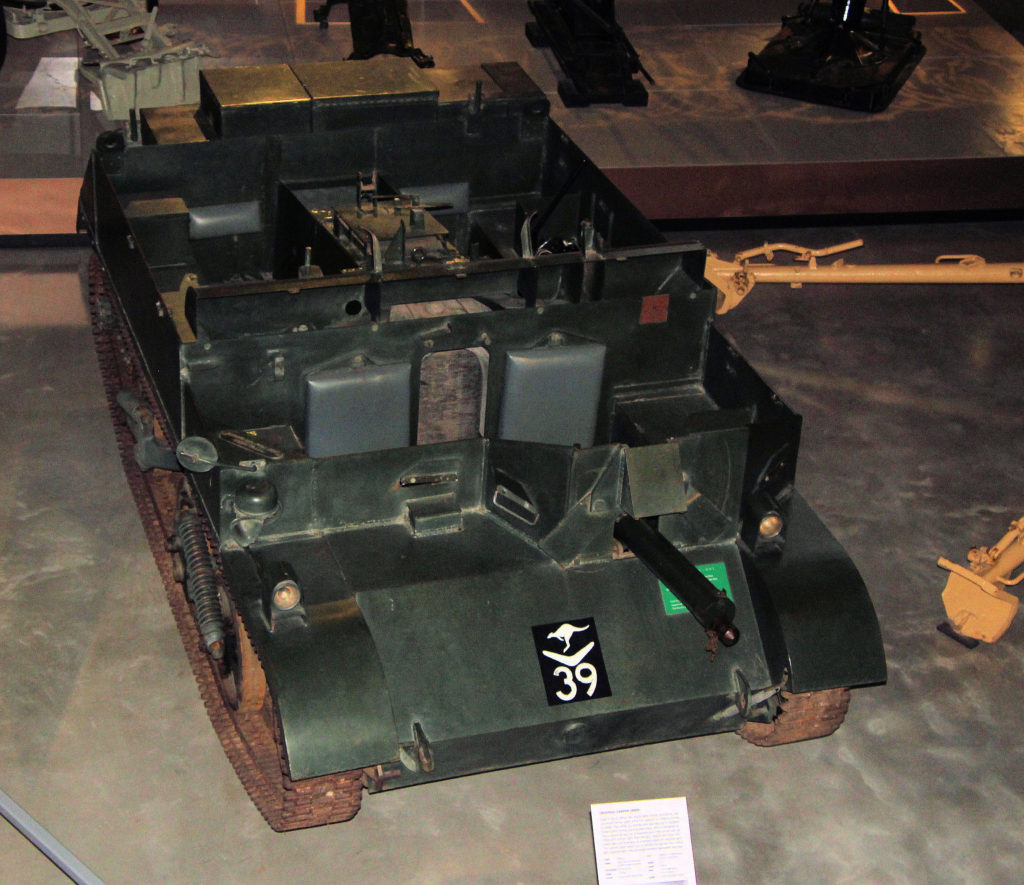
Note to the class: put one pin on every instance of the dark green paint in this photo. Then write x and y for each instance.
(424, 568)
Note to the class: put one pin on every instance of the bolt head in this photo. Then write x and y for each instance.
(286, 596)
(771, 525)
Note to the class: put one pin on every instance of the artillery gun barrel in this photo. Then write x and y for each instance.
(734, 279)
(943, 270)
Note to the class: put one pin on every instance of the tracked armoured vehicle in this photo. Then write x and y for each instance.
(444, 463)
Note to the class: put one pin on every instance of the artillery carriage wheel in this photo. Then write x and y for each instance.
(233, 689)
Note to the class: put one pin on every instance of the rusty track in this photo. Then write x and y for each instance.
(801, 717)
(248, 732)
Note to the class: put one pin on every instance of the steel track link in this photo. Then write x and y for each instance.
(250, 738)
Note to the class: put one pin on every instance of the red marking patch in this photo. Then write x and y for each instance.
(654, 309)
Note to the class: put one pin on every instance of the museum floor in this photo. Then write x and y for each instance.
(913, 417)
(913, 412)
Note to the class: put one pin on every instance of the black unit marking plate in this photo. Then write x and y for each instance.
(571, 663)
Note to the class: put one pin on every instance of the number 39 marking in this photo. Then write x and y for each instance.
(584, 673)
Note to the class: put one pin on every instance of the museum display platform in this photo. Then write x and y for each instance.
(953, 138)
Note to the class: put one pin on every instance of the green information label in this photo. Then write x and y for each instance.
(714, 571)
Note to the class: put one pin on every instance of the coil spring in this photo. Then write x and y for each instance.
(200, 581)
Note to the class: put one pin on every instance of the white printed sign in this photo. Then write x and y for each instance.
(643, 843)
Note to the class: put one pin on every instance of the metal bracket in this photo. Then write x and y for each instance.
(840, 54)
(150, 451)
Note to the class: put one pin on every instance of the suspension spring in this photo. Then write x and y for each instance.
(200, 581)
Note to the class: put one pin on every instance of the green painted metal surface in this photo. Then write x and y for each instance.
(464, 602)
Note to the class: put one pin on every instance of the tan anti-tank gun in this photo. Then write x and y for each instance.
(975, 598)
(735, 279)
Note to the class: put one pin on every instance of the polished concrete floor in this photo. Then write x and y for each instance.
(914, 412)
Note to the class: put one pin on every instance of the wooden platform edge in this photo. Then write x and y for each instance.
(834, 188)
(39, 206)
(49, 206)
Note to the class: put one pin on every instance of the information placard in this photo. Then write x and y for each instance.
(643, 843)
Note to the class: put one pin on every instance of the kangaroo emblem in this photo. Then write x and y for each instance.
(565, 633)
